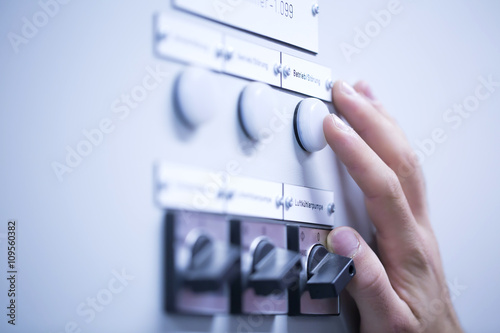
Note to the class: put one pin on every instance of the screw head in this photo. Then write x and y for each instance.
(278, 69)
(219, 51)
(331, 208)
(161, 36)
(329, 84)
(287, 71)
(228, 54)
(315, 9)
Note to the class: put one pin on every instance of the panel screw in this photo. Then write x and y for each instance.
(278, 69)
(315, 9)
(287, 71)
(329, 84)
(161, 36)
(219, 51)
(331, 208)
(229, 53)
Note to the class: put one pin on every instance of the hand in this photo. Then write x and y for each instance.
(405, 290)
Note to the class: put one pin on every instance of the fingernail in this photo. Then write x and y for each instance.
(368, 92)
(343, 241)
(339, 123)
(347, 89)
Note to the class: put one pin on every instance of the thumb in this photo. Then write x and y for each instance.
(380, 307)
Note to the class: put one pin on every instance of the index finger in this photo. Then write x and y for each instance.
(381, 133)
(385, 200)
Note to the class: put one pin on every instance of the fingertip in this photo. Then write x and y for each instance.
(333, 122)
(364, 88)
(348, 102)
(342, 88)
(371, 289)
(344, 241)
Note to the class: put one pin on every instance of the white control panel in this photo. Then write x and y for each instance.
(199, 183)
(291, 21)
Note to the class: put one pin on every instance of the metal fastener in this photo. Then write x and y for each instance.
(161, 36)
(315, 9)
(329, 84)
(219, 51)
(228, 54)
(280, 201)
(278, 69)
(287, 71)
(331, 208)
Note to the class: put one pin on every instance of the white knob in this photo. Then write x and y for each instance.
(196, 93)
(256, 108)
(308, 124)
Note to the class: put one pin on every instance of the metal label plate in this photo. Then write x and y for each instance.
(290, 21)
(304, 204)
(189, 43)
(252, 197)
(252, 61)
(306, 77)
(185, 188)
(193, 44)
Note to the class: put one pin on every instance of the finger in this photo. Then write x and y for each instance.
(385, 200)
(385, 138)
(363, 88)
(380, 307)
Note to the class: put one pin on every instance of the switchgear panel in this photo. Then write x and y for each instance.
(247, 245)
(203, 160)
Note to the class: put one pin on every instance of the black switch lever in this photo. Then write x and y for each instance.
(327, 273)
(212, 265)
(273, 268)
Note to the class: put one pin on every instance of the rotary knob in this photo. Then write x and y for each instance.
(273, 268)
(212, 265)
(327, 273)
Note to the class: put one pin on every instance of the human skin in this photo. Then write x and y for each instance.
(403, 289)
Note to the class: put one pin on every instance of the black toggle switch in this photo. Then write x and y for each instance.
(273, 268)
(212, 265)
(327, 273)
